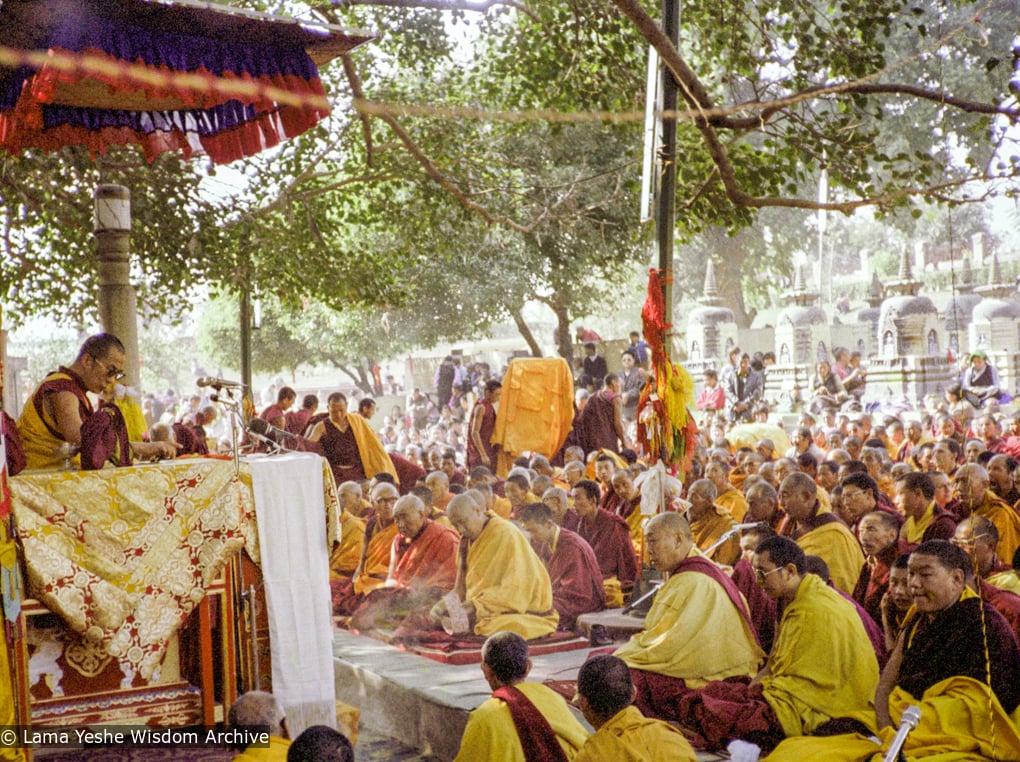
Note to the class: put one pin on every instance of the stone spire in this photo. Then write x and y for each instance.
(966, 282)
(905, 284)
(800, 294)
(875, 296)
(995, 289)
(710, 294)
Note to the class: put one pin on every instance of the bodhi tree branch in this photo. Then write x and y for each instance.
(707, 118)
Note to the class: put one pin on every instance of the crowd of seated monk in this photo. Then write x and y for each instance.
(791, 591)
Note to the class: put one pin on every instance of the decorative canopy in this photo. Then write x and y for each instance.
(163, 74)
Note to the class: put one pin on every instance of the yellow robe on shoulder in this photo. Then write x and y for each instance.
(734, 502)
(961, 720)
(707, 530)
(490, 734)
(275, 752)
(822, 664)
(1006, 521)
(631, 737)
(377, 560)
(508, 583)
(1007, 580)
(694, 632)
(836, 545)
(374, 458)
(344, 558)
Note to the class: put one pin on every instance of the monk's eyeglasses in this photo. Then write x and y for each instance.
(761, 574)
(115, 373)
(961, 543)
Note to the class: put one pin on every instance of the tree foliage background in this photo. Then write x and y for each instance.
(487, 153)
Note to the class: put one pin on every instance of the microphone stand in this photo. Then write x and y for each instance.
(655, 585)
(232, 409)
(722, 538)
(274, 448)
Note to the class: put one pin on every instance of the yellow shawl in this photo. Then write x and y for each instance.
(508, 583)
(374, 458)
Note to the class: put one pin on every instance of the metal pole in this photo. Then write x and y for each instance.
(666, 195)
(246, 336)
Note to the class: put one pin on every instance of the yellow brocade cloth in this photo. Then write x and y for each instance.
(374, 458)
(631, 737)
(837, 546)
(123, 555)
(694, 632)
(508, 583)
(536, 410)
(377, 560)
(734, 502)
(961, 721)
(490, 734)
(822, 664)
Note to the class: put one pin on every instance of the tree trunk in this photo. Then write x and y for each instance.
(525, 330)
(564, 336)
(728, 270)
(357, 374)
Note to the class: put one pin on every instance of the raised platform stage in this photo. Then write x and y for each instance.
(423, 703)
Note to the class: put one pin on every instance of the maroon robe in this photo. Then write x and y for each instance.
(962, 640)
(571, 520)
(610, 500)
(341, 450)
(297, 421)
(273, 412)
(761, 606)
(187, 440)
(871, 627)
(16, 460)
(50, 385)
(609, 537)
(575, 575)
(485, 409)
(424, 568)
(873, 582)
(596, 425)
(408, 473)
(669, 698)
(538, 739)
(429, 559)
(942, 526)
(1006, 603)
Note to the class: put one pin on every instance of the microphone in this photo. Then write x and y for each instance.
(267, 430)
(908, 721)
(217, 383)
(752, 525)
